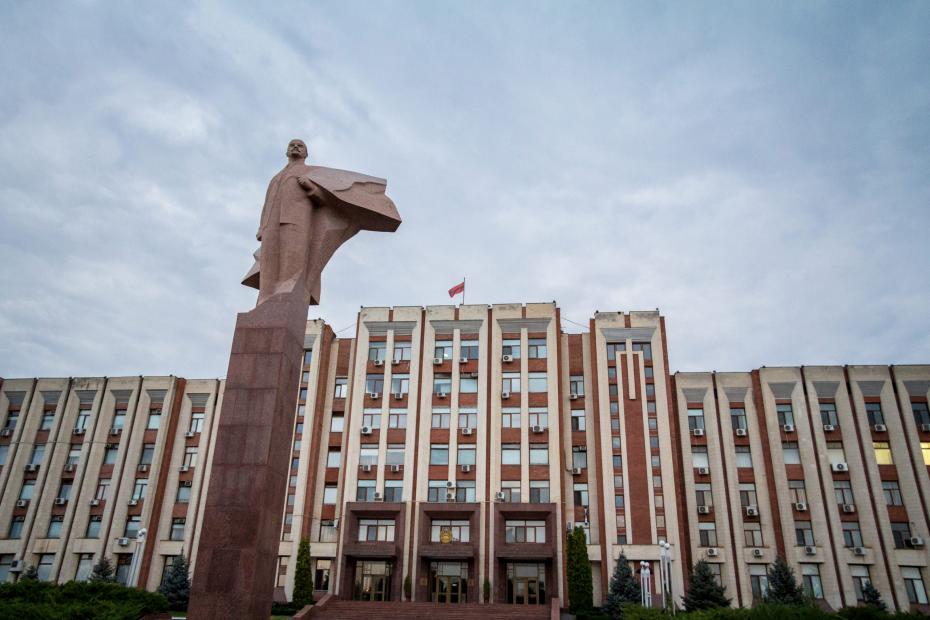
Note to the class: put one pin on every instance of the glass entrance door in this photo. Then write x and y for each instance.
(526, 584)
(373, 581)
(448, 582)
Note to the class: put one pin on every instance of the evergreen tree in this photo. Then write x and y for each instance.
(176, 586)
(783, 587)
(303, 577)
(872, 597)
(703, 590)
(624, 588)
(103, 571)
(580, 584)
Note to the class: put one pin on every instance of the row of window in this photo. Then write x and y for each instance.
(468, 349)
(828, 416)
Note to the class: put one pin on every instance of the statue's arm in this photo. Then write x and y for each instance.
(314, 192)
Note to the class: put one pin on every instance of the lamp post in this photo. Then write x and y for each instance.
(663, 573)
(645, 583)
(665, 552)
(136, 558)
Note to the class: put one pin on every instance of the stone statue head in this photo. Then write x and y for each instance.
(296, 149)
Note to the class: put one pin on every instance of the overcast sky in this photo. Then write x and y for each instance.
(758, 172)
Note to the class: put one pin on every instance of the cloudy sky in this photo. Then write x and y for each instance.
(760, 172)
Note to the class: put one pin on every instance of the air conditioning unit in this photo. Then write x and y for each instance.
(22, 503)
(379, 363)
(189, 434)
(94, 502)
(378, 497)
(450, 496)
(437, 361)
(396, 468)
(187, 483)
(507, 358)
(116, 431)
(757, 553)
(800, 506)
(143, 468)
(60, 501)
(925, 428)
(697, 432)
(880, 428)
(858, 550)
(111, 446)
(374, 395)
(366, 467)
(441, 394)
(78, 431)
(915, 541)
(839, 467)
(539, 429)
(703, 471)
(366, 430)
(752, 511)
(500, 496)
(572, 396)
(740, 432)
(70, 467)
(450, 484)
(505, 395)
(849, 508)
(16, 566)
(122, 542)
(398, 395)
(467, 431)
(828, 428)
(6, 432)
(463, 360)
(703, 510)
(788, 428)
(576, 471)
(133, 502)
(466, 469)
(713, 552)
(810, 550)
(185, 468)
(31, 467)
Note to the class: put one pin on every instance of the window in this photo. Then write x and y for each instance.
(443, 350)
(576, 385)
(28, 488)
(925, 451)
(38, 451)
(579, 457)
(393, 490)
(511, 491)
(695, 419)
(16, 527)
(738, 418)
(376, 352)
(619, 502)
(892, 493)
(341, 389)
(860, 578)
(154, 422)
(842, 491)
(797, 492)
(436, 491)
(852, 535)
(439, 454)
(374, 384)
(759, 581)
(11, 420)
(810, 575)
(699, 456)
(752, 534)
(873, 411)
(46, 560)
(329, 494)
(148, 453)
(197, 419)
(365, 491)
(139, 489)
(650, 389)
(466, 454)
(785, 415)
(305, 377)
(539, 454)
(538, 416)
(469, 349)
(536, 349)
(85, 567)
(395, 454)
(64, 490)
(900, 532)
(613, 348)
(882, 452)
(401, 352)
(835, 452)
(337, 424)
(376, 530)
(747, 495)
(828, 414)
(537, 382)
(397, 418)
(715, 571)
(707, 534)
(743, 456)
(510, 454)
(803, 533)
(133, 524)
(703, 494)
(790, 452)
(578, 420)
(371, 418)
(302, 396)
(539, 491)
(524, 531)
(183, 495)
(510, 383)
(468, 383)
(468, 417)
(308, 356)
(103, 486)
(177, 529)
(4, 451)
(321, 575)
(465, 491)
(48, 419)
(54, 527)
(460, 530)
(580, 491)
(914, 584)
(510, 417)
(645, 347)
(190, 456)
(334, 457)
(511, 347)
(368, 455)
(921, 413)
(442, 384)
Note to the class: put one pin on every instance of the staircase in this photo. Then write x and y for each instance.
(396, 610)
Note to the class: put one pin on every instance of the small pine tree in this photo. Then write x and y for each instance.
(783, 587)
(303, 577)
(177, 584)
(487, 590)
(580, 584)
(624, 588)
(703, 590)
(30, 574)
(408, 587)
(103, 571)
(872, 597)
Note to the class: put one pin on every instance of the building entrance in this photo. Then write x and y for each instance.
(373, 581)
(526, 583)
(448, 582)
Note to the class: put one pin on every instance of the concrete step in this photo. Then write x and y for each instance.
(398, 610)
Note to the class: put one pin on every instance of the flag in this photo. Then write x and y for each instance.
(458, 288)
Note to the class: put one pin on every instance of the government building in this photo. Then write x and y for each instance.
(453, 448)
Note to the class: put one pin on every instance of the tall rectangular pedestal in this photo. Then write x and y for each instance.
(237, 557)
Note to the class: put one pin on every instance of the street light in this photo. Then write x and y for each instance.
(665, 565)
(645, 583)
(136, 558)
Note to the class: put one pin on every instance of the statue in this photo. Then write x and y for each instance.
(309, 212)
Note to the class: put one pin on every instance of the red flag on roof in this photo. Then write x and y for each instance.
(458, 288)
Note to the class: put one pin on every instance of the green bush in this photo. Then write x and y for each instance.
(41, 600)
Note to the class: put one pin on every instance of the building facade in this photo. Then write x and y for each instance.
(455, 447)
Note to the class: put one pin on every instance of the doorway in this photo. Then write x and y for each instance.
(448, 582)
(526, 583)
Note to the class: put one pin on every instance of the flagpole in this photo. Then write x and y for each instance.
(463, 290)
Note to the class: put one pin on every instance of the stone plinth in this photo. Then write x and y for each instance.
(237, 558)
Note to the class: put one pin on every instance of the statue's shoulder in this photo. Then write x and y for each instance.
(335, 179)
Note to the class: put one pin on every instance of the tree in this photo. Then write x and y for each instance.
(872, 597)
(408, 586)
(30, 574)
(487, 590)
(303, 577)
(783, 587)
(580, 585)
(176, 586)
(703, 590)
(103, 571)
(624, 588)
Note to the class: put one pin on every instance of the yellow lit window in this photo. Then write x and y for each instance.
(882, 453)
(925, 448)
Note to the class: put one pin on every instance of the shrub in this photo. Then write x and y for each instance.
(783, 587)
(580, 584)
(703, 590)
(177, 584)
(303, 577)
(41, 600)
(103, 571)
(624, 588)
